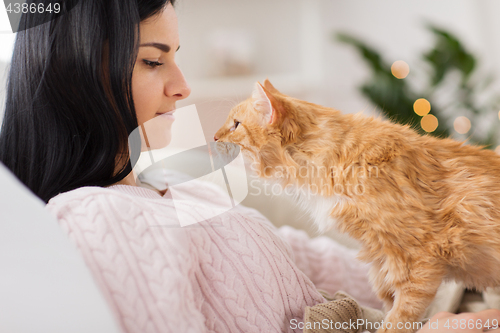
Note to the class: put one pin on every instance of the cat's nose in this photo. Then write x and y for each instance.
(216, 138)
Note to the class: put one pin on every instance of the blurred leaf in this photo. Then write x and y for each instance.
(395, 97)
(370, 55)
(490, 140)
(448, 54)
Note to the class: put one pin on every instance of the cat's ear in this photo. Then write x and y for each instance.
(270, 87)
(262, 103)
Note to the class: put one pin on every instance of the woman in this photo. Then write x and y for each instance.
(78, 86)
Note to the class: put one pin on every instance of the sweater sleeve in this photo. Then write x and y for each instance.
(330, 266)
(146, 275)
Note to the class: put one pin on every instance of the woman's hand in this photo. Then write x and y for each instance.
(487, 320)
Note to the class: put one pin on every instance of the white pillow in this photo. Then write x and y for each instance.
(45, 285)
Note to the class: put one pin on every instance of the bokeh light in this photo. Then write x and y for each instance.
(462, 125)
(429, 123)
(422, 107)
(400, 69)
(499, 115)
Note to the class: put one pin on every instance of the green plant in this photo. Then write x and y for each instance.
(448, 58)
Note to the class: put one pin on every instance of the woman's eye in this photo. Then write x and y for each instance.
(152, 64)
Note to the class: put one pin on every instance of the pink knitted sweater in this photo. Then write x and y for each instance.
(233, 273)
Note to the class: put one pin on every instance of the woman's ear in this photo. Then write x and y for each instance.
(266, 104)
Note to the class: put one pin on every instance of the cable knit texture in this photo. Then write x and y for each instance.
(233, 273)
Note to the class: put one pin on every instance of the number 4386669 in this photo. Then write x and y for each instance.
(33, 8)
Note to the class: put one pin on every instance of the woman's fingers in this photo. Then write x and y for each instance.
(491, 314)
(442, 314)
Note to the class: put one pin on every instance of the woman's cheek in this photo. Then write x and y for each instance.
(147, 97)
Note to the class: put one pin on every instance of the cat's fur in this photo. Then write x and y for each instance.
(425, 209)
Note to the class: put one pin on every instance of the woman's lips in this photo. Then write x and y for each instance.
(169, 114)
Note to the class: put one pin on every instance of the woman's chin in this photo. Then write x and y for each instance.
(158, 142)
(157, 132)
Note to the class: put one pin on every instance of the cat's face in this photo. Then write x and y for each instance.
(256, 123)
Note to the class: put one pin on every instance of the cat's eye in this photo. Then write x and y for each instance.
(236, 123)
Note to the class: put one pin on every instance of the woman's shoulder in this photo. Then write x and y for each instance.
(82, 194)
(79, 193)
(92, 199)
(104, 211)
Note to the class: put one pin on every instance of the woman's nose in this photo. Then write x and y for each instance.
(179, 87)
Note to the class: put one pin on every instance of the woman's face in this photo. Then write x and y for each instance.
(157, 81)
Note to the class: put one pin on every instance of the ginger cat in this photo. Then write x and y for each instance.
(425, 209)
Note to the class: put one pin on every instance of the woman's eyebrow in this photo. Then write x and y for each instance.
(162, 47)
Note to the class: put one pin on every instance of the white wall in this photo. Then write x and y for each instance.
(6, 45)
(3, 84)
(293, 38)
(285, 42)
(276, 19)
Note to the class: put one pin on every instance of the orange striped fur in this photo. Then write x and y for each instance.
(425, 209)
